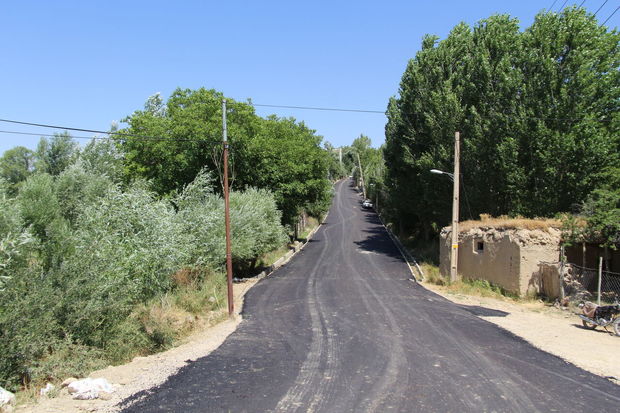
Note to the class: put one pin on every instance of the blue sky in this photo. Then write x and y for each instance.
(86, 64)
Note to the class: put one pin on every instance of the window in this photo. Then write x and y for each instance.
(479, 246)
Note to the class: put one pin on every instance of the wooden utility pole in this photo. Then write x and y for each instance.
(361, 174)
(229, 277)
(454, 248)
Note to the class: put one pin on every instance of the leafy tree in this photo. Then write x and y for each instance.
(188, 128)
(286, 158)
(16, 165)
(537, 110)
(336, 168)
(55, 155)
(280, 155)
(102, 157)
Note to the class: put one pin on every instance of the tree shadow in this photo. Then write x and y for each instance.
(378, 241)
(482, 311)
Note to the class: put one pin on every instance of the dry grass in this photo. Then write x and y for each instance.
(311, 224)
(505, 222)
(478, 288)
(272, 256)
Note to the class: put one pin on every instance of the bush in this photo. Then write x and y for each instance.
(91, 273)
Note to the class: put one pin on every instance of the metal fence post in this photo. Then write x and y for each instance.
(562, 273)
(600, 278)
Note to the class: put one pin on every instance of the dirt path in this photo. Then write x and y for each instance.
(555, 331)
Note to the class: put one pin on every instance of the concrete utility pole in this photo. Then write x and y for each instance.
(361, 175)
(454, 250)
(229, 277)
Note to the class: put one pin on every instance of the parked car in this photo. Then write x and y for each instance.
(367, 204)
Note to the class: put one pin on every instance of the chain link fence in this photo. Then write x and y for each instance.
(582, 284)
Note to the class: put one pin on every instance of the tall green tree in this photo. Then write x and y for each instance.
(54, 155)
(278, 154)
(16, 165)
(537, 111)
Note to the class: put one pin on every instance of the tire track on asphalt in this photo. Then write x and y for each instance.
(322, 352)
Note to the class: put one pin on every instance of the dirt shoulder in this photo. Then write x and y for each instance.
(145, 372)
(550, 329)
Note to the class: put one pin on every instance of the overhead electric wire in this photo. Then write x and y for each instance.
(614, 12)
(48, 135)
(562, 6)
(581, 4)
(67, 128)
(552, 4)
(116, 134)
(599, 9)
(319, 108)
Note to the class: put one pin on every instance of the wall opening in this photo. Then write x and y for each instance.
(479, 246)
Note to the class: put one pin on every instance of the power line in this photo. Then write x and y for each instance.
(51, 135)
(117, 134)
(552, 4)
(563, 4)
(611, 15)
(599, 9)
(320, 108)
(581, 4)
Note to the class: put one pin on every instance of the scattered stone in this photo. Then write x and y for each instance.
(67, 382)
(7, 400)
(45, 390)
(103, 395)
(87, 389)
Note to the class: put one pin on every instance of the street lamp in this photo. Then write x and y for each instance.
(438, 172)
(454, 247)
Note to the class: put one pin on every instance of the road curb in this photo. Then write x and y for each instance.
(409, 259)
(286, 257)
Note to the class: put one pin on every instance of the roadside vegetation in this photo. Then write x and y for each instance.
(538, 114)
(116, 249)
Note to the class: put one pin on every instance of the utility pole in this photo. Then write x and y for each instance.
(454, 250)
(361, 174)
(231, 304)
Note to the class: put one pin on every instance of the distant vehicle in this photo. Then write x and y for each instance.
(367, 204)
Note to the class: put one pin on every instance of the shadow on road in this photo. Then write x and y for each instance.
(482, 311)
(596, 330)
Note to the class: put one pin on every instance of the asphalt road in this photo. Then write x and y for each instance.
(343, 328)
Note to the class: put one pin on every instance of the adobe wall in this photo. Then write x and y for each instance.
(505, 257)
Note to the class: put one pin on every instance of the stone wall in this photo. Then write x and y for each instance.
(508, 258)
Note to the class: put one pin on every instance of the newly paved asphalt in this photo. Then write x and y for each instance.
(343, 328)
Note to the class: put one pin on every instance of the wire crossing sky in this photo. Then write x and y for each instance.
(89, 64)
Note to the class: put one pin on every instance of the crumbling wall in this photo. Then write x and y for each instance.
(508, 258)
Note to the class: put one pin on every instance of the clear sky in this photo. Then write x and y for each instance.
(86, 64)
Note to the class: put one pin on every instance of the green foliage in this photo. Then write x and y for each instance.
(537, 111)
(190, 125)
(102, 157)
(92, 269)
(16, 165)
(280, 155)
(286, 157)
(56, 154)
(601, 213)
(335, 169)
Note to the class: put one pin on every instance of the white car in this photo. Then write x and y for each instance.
(367, 204)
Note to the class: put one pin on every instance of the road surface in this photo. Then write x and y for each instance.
(343, 328)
